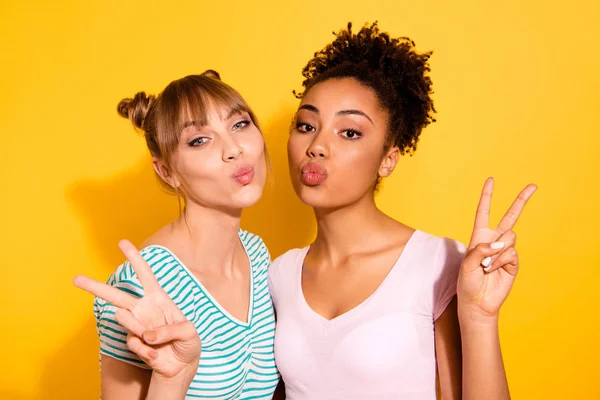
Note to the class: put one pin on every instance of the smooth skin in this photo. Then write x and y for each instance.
(341, 127)
(467, 343)
(169, 344)
(205, 238)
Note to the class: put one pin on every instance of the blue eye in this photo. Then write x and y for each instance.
(198, 142)
(302, 127)
(240, 125)
(351, 134)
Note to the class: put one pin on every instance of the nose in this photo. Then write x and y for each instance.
(231, 149)
(318, 148)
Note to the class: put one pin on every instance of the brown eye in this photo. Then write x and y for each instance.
(302, 127)
(351, 134)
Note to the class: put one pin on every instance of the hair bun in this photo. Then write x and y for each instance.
(136, 108)
(211, 73)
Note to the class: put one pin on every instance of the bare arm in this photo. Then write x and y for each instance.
(476, 373)
(171, 388)
(448, 353)
(123, 381)
(486, 277)
(172, 348)
(484, 376)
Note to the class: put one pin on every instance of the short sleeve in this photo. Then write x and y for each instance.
(448, 260)
(272, 277)
(281, 275)
(258, 254)
(112, 335)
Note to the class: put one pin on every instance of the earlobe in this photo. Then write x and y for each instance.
(165, 173)
(389, 162)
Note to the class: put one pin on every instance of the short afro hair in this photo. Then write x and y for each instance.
(391, 67)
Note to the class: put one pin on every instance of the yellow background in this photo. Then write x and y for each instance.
(517, 86)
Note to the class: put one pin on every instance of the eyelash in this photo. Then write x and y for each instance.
(199, 141)
(302, 127)
(196, 142)
(244, 122)
(356, 134)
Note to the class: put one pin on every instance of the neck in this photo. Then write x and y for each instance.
(210, 236)
(349, 229)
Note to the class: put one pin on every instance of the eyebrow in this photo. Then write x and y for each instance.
(231, 113)
(351, 111)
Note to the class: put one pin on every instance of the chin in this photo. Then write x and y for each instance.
(317, 196)
(248, 196)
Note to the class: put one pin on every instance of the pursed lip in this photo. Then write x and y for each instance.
(313, 174)
(244, 174)
(243, 170)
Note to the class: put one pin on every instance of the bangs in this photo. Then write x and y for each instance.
(192, 101)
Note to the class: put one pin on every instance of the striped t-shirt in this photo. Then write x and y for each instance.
(237, 359)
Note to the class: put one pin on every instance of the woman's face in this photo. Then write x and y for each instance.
(220, 164)
(336, 148)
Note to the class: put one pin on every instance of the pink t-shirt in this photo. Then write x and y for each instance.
(381, 349)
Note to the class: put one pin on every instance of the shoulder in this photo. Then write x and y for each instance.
(436, 248)
(251, 241)
(257, 250)
(157, 257)
(287, 262)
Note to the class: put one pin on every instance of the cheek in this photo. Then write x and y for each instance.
(360, 162)
(253, 144)
(193, 167)
(296, 148)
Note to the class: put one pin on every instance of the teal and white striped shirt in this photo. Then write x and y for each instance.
(237, 360)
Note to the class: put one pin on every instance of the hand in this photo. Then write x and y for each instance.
(158, 331)
(491, 263)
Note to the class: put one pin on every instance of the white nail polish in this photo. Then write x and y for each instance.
(497, 245)
(486, 269)
(486, 261)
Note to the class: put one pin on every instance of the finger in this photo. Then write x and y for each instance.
(507, 260)
(482, 217)
(140, 266)
(509, 239)
(481, 255)
(512, 215)
(182, 331)
(145, 352)
(128, 321)
(111, 294)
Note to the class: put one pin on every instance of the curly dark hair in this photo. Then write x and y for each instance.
(391, 67)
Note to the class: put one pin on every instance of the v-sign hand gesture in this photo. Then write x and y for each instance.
(491, 263)
(158, 331)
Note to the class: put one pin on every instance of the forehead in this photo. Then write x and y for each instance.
(336, 94)
(210, 115)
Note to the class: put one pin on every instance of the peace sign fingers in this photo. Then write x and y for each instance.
(111, 294)
(512, 215)
(141, 267)
(482, 217)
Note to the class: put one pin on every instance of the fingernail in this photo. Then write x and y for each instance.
(486, 269)
(486, 261)
(150, 336)
(153, 355)
(497, 245)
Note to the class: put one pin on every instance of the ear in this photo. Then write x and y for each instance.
(389, 162)
(165, 173)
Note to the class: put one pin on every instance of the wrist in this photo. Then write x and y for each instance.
(173, 387)
(473, 317)
(183, 377)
